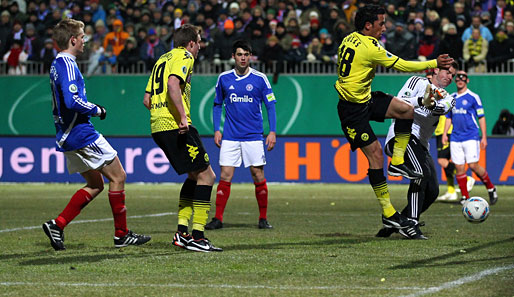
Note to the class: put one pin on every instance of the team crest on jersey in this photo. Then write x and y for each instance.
(249, 87)
(364, 136)
(73, 88)
(184, 69)
(464, 102)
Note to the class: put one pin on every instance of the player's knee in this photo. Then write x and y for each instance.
(442, 162)
(94, 190)
(258, 177)
(225, 176)
(119, 178)
(207, 176)
(474, 166)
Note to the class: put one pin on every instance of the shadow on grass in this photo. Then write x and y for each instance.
(68, 257)
(81, 253)
(239, 225)
(432, 262)
(343, 240)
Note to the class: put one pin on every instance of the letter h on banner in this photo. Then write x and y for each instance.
(311, 161)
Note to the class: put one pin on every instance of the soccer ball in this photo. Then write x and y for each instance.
(475, 210)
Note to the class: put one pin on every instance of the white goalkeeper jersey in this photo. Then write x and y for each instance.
(425, 121)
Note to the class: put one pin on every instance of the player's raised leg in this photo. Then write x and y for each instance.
(403, 113)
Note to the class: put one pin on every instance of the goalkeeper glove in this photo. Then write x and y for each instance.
(102, 113)
(440, 94)
(428, 99)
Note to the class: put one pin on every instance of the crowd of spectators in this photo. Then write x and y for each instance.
(126, 32)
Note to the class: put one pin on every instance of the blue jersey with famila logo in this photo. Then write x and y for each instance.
(468, 109)
(243, 97)
(70, 108)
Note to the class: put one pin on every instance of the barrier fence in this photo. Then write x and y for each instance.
(214, 68)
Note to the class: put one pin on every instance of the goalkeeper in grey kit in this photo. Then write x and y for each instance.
(423, 191)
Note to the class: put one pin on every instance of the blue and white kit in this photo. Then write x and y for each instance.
(70, 108)
(465, 115)
(243, 97)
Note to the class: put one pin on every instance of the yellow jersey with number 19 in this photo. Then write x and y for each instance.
(163, 114)
(358, 57)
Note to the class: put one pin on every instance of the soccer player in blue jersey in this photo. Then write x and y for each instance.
(242, 91)
(468, 120)
(87, 152)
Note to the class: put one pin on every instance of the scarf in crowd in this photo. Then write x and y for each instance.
(150, 51)
(14, 57)
(27, 46)
(475, 46)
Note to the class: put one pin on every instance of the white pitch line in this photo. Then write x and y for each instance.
(460, 281)
(93, 221)
(217, 286)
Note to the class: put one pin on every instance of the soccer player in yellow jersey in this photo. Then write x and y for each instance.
(358, 56)
(443, 159)
(168, 97)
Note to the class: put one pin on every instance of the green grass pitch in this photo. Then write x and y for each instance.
(322, 244)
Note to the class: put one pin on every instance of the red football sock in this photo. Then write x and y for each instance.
(261, 193)
(487, 181)
(119, 212)
(222, 194)
(463, 181)
(77, 202)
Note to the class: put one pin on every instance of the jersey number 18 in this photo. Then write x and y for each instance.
(346, 56)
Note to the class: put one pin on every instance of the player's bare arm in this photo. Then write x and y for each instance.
(147, 100)
(483, 140)
(176, 99)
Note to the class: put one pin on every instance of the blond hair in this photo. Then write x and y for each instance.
(64, 30)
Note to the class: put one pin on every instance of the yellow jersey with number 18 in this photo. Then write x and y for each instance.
(163, 114)
(358, 57)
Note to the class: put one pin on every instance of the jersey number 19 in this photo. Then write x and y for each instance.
(158, 78)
